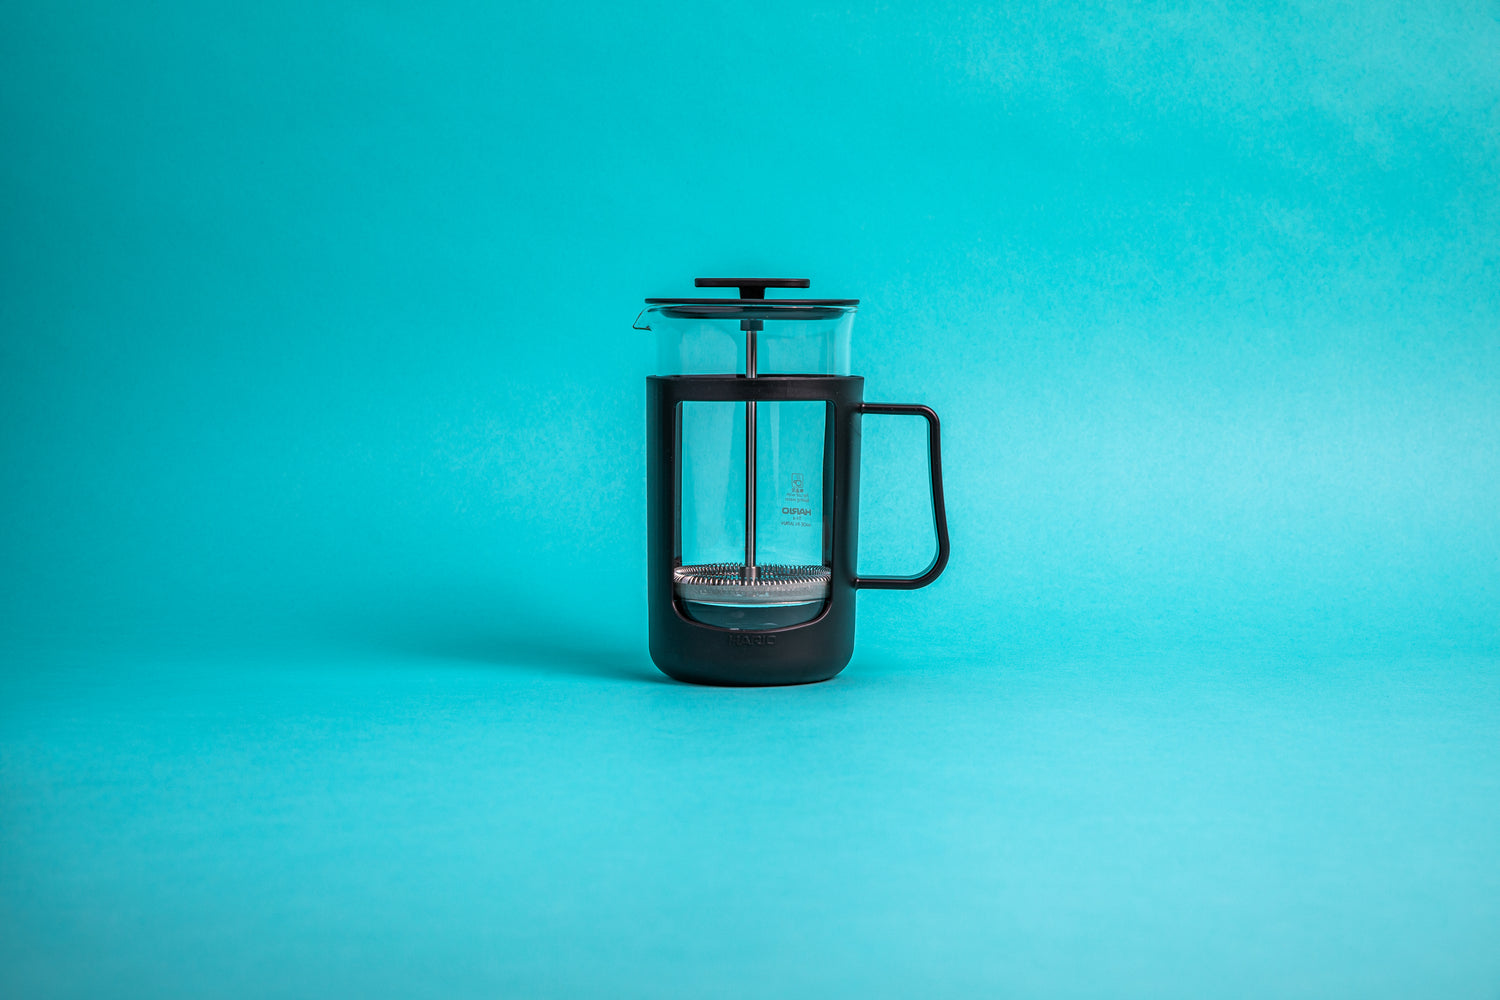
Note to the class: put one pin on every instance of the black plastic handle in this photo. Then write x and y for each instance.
(751, 288)
(939, 514)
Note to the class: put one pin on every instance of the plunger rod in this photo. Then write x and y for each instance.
(750, 573)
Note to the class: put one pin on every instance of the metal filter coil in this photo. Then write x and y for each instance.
(729, 583)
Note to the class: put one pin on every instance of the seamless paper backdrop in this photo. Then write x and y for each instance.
(311, 310)
(315, 332)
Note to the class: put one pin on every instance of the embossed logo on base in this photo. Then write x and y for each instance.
(740, 639)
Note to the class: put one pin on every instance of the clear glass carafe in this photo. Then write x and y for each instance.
(753, 533)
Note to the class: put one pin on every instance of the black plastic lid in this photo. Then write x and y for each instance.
(752, 303)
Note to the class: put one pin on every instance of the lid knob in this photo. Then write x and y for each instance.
(751, 288)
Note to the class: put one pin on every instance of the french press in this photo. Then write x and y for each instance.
(752, 479)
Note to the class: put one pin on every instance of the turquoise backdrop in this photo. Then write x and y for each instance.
(322, 624)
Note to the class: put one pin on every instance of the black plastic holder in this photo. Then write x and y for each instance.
(815, 650)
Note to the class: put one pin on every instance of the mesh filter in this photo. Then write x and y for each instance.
(726, 583)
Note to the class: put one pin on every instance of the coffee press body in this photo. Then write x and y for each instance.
(753, 437)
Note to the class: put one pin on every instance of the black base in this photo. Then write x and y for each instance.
(799, 654)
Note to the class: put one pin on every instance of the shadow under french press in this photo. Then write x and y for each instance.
(526, 651)
(520, 639)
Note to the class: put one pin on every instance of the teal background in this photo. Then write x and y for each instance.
(321, 437)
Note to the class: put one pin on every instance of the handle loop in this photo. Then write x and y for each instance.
(939, 514)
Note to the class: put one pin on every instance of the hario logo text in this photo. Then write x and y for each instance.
(739, 639)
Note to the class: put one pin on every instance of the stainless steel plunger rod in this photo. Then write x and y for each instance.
(750, 573)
